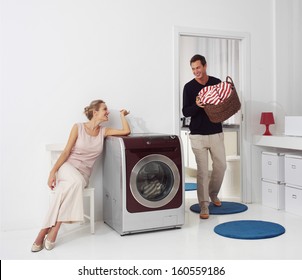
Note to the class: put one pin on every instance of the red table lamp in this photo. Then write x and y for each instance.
(267, 118)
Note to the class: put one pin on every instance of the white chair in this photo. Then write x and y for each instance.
(55, 150)
(89, 192)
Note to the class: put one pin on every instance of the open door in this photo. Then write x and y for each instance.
(226, 55)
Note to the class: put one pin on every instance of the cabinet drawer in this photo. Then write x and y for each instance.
(293, 199)
(293, 170)
(273, 194)
(273, 166)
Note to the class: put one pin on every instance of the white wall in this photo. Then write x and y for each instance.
(288, 57)
(286, 98)
(58, 55)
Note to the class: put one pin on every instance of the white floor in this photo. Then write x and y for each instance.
(196, 240)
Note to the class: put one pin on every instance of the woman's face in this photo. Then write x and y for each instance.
(103, 112)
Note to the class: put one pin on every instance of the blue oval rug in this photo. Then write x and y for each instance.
(227, 207)
(190, 186)
(249, 229)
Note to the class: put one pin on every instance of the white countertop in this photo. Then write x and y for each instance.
(278, 141)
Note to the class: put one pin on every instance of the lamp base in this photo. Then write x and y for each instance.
(267, 132)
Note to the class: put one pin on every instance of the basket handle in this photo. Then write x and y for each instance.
(229, 80)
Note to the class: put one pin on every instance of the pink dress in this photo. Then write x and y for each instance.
(86, 150)
(72, 177)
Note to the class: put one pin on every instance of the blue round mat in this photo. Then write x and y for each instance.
(226, 207)
(249, 229)
(190, 186)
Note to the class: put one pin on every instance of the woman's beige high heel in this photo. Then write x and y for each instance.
(36, 248)
(48, 244)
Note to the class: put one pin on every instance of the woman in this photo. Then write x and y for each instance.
(70, 174)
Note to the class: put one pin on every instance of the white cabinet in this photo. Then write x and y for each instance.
(293, 199)
(273, 166)
(293, 180)
(273, 194)
(293, 170)
(189, 157)
(273, 188)
(231, 148)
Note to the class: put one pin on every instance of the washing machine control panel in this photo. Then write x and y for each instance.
(150, 141)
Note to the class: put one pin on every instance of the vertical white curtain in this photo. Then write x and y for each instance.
(222, 57)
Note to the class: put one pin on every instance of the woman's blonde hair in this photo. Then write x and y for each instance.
(94, 106)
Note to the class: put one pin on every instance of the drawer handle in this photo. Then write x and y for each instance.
(294, 196)
(293, 166)
(269, 163)
(270, 190)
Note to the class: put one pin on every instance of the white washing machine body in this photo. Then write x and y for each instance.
(143, 183)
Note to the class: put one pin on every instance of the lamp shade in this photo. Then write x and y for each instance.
(267, 118)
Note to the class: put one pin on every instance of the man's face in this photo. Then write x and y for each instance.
(198, 69)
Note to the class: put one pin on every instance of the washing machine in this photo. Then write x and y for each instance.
(143, 188)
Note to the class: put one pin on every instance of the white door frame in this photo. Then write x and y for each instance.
(244, 92)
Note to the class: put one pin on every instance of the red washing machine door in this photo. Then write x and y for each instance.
(155, 184)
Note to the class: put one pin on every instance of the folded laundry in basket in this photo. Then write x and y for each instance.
(227, 106)
(215, 94)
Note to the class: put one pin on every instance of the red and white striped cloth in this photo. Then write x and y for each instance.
(215, 94)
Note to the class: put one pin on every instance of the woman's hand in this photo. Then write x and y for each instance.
(124, 112)
(52, 180)
(125, 126)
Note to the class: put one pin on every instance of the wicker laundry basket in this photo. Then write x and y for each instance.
(224, 110)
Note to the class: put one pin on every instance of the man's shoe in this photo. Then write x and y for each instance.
(216, 201)
(204, 212)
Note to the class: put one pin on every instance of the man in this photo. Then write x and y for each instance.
(205, 137)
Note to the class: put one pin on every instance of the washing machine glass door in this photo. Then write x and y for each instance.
(154, 181)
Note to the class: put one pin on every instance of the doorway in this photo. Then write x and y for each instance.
(227, 54)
